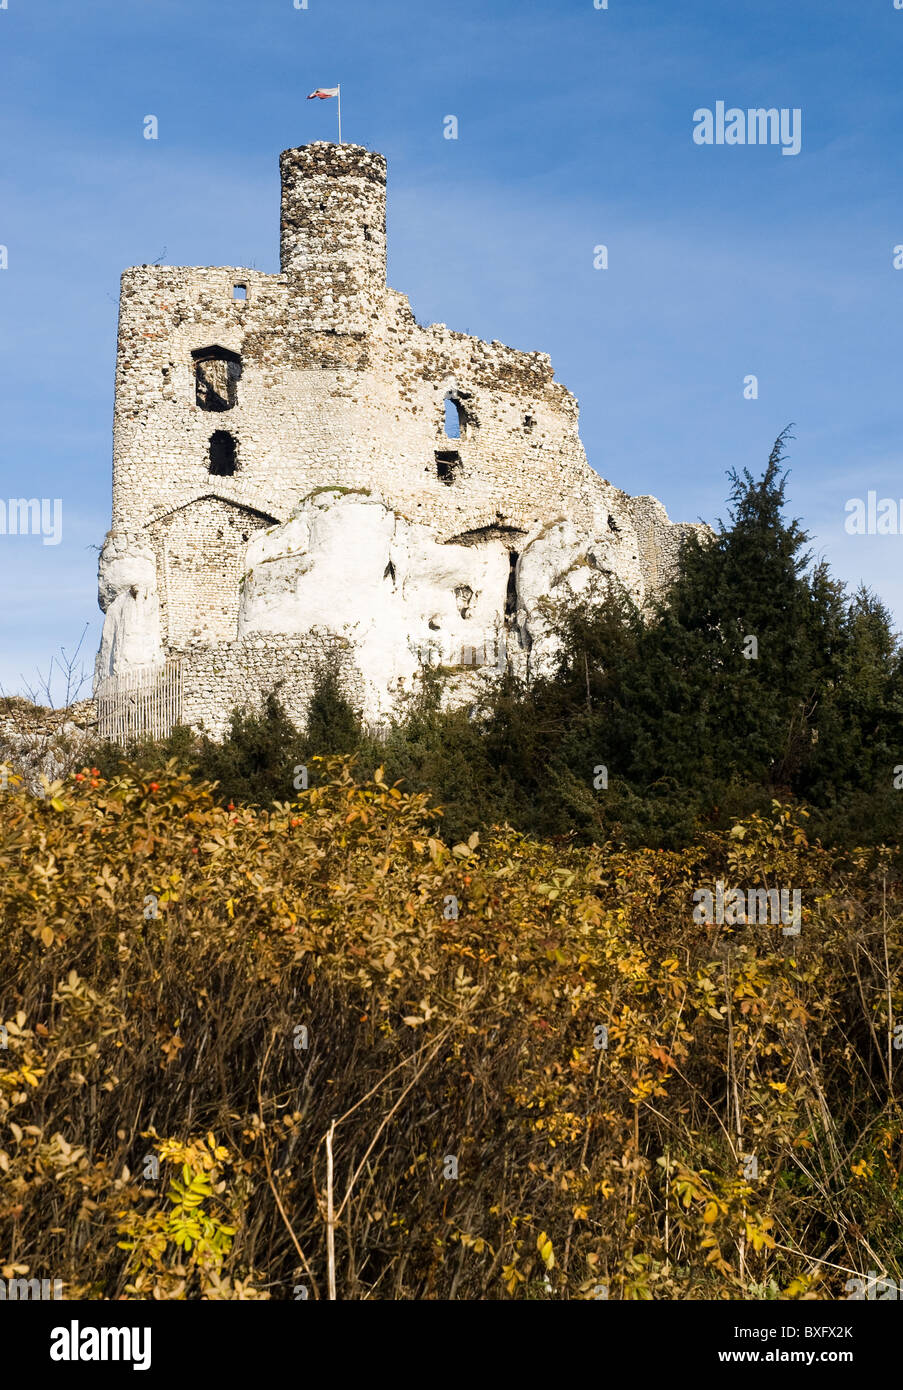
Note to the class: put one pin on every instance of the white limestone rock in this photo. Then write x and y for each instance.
(348, 564)
(560, 568)
(127, 589)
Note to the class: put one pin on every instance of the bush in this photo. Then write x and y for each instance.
(695, 727)
(197, 999)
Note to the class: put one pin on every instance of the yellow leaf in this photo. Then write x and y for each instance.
(47, 936)
(711, 1213)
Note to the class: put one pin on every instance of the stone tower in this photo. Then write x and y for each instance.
(333, 234)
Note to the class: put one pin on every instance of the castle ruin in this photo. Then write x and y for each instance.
(300, 468)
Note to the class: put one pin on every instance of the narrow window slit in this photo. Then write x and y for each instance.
(511, 591)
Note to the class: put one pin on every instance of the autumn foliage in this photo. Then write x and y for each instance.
(536, 1075)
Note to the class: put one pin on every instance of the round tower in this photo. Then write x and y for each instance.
(333, 233)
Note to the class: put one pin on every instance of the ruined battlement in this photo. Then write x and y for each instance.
(241, 394)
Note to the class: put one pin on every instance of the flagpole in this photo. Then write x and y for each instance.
(340, 112)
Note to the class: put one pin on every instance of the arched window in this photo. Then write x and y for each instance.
(460, 420)
(454, 418)
(216, 374)
(222, 454)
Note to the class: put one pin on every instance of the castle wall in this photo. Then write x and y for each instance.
(222, 676)
(314, 409)
(321, 377)
(659, 541)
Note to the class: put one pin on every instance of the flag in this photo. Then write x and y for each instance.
(323, 92)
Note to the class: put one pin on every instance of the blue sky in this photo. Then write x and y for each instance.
(575, 130)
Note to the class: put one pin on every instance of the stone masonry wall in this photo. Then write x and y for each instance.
(326, 379)
(220, 677)
(314, 411)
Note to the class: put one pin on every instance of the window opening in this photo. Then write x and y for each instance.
(216, 374)
(453, 419)
(222, 454)
(448, 467)
(511, 591)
